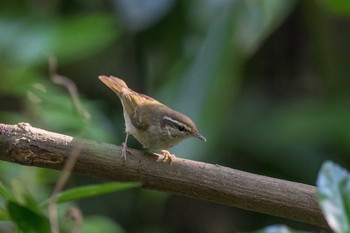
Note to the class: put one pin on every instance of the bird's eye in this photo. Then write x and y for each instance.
(181, 128)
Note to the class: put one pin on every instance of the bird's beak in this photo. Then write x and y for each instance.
(199, 136)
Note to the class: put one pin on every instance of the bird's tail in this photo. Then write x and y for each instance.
(115, 84)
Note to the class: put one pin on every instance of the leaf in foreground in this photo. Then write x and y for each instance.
(26, 219)
(333, 185)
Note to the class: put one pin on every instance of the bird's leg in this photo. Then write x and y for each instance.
(125, 146)
(167, 156)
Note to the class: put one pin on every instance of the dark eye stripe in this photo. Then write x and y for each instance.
(176, 124)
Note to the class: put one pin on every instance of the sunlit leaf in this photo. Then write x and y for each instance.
(27, 220)
(333, 185)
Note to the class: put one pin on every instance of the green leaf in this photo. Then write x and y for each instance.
(100, 224)
(333, 185)
(339, 7)
(3, 214)
(277, 229)
(82, 36)
(5, 193)
(92, 190)
(26, 219)
(30, 40)
(22, 195)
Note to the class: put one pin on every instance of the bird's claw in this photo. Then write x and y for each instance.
(125, 150)
(166, 157)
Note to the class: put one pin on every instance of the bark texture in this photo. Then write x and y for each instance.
(31, 146)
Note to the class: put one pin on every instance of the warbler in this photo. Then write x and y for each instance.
(153, 124)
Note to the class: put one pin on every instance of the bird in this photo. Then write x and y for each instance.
(153, 124)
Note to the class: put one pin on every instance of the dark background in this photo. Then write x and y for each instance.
(267, 83)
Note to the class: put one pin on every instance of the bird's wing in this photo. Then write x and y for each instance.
(139, 107)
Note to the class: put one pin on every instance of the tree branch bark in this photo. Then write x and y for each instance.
(31, 146)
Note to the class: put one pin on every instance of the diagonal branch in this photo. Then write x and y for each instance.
(31, 146)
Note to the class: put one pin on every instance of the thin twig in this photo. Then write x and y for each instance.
(61, 182)
(70, 86)
(75, 214)
(74, 153)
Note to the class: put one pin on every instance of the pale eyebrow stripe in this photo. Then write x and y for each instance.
(172, 120)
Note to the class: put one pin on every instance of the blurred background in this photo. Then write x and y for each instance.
(267, 83)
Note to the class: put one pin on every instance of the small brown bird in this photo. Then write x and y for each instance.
(153, 124)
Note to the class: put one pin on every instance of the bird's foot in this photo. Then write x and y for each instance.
(166, 157)
(125, 150)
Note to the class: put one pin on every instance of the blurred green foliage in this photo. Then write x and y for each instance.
(28, 215)
(267, 83)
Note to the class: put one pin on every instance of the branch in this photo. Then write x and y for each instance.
(31, 146)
